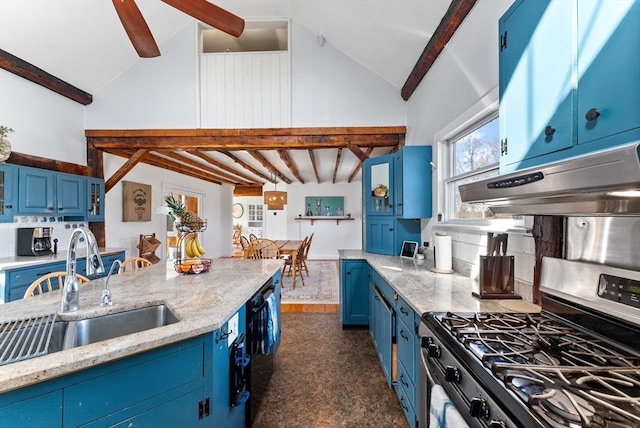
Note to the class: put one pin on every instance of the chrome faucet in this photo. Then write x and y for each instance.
(71, 287)
(105, 300)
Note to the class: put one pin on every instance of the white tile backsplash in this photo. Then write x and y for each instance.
(61, 231)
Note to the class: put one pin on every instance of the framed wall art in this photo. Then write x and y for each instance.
(136, 201)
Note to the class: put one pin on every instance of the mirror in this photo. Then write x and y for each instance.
(379, 175)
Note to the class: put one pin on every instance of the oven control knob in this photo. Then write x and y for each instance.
(433, 350)
(452, 374)
(425, 341)
(479, 408)
(497, 424)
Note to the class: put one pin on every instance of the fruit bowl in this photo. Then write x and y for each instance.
(192, 266)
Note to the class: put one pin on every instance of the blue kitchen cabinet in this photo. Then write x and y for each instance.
(407, 341)
(391, 220)
(70, 195)
(43, 192)
(7, 192)
(37, 192)
(354, 292)
(568, 79)
(383, 322)
(95, 199)
(412, 182)
(33, 409)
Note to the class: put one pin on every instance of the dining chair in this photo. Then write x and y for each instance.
(133, 264)
(306, 253)
(288, 261)
(244, 242)
(263, 248)
(252, 237)
(297, 267)
(46, 283)
(237, 233)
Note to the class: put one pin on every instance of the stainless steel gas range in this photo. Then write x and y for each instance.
(575, 364)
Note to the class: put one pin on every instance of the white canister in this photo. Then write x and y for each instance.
(443, 259)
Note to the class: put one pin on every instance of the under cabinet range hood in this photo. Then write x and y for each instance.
(601, 183)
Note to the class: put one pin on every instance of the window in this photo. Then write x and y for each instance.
(256, 213)
(474, 154)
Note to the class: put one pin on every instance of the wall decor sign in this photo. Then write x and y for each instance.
(324, 206)
(136, 201)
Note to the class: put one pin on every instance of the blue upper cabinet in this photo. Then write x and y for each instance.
(609, 72)
(95, 199)
(43, 192)
(70, 194)
(413, 195)
(378, 192)
(7, 193)
(36, 191)
(568, 76)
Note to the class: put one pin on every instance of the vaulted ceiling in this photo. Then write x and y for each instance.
(83, 43)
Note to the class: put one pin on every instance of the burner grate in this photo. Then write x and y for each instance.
(25, 338)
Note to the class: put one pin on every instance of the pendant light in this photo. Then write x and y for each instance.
(274, 199)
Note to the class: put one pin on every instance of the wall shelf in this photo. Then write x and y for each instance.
(324, 218)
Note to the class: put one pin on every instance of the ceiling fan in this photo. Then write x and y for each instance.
(141, 37)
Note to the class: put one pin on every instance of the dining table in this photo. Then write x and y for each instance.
(289, 247)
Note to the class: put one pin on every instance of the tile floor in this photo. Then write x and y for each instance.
(327, 377)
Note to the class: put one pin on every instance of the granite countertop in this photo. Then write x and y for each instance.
(203, 303)
(426, 291)
(61, 256)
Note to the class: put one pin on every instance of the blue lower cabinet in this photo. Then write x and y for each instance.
(354, 292)
(38, 410)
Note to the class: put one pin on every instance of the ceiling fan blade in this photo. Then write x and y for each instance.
(210, 14)
(136, 28)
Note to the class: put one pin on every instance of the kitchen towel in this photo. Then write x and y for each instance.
(443, 252)
(442, 413)
(272, 326)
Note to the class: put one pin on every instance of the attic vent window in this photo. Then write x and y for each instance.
(258, 36)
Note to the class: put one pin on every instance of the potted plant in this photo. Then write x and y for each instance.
(381, 191)
(5, 145)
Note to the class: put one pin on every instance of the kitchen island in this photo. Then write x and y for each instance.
(203, 303)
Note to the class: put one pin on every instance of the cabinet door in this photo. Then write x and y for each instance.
(355, 292)
(385, 338)
(608, 70)
(7, 182)
(36, 191)
(381, 236)
(95, 199)
(378, 192)
(536, 80)
(44, 410)
(70, 194)
(413, 179)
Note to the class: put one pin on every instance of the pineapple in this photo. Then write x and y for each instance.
(180, 214)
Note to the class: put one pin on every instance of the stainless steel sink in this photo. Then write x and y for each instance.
(71, 334)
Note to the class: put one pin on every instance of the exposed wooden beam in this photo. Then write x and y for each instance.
(124, 169)
(359, 153)
(28, 71)
(314, 165)
(455, 15)
(205, 157)
(164, 163)
(359, 165)
(246, 139)
(284, 155)
(335, 169)
(46, 163)
(269, 166)
(247, 191)
(245, 165)
(217, 175)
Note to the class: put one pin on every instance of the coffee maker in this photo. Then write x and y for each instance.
(34, 241)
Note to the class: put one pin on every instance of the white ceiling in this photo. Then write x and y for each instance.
(83, 43)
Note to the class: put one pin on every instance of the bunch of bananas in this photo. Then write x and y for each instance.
(193, 247)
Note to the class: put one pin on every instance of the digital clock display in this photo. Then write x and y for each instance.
(621, 290)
